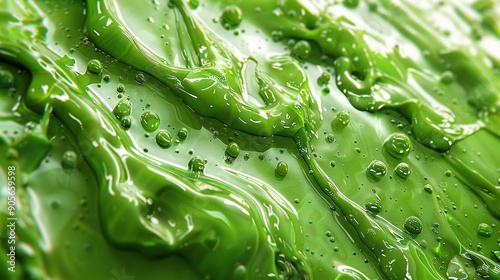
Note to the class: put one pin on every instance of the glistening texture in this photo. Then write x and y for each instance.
(251, 139)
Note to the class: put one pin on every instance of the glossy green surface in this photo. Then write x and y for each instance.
(226, 139)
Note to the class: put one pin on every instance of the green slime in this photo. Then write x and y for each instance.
(236, 226)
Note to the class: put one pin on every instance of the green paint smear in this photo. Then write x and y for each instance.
(90, 101)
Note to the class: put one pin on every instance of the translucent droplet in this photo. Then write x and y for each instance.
(140, 78)
(374, 206)
(376, 170)
(428, 188)
(402, 170)
(94, 66)
(351, 3)
(281, 170)
(150, 121)
(164, 139)
(484, 230)
(183, 133)
(240, 272)
(324, 78)
(120, 88)
(122, 109)
(69, 160)
(447, 77)
(330, 138)
(302, 49)
(196, 166)
(341, 120)
(126, 122)
(231, 16)
(233, 150)
(398, 145)
(413, 224)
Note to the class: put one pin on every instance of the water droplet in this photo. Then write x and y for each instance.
(376, 170)
(150, 121)
(398, 145)
(484, 230)
(120, 88)
(413, 224)
(94, 66)
(281, 170)
(233, 150)
(196, 166)
(351, 3)
(231, 16)
(183, 133)
(428, 188)
(126, 122)
(122, 109)
(330, 138)
(106, 78)
(374, 206)
(194, 4)
(140, 78)
(302, 49)
(6, 79)
(240, 272)
(324, 78)
(447, 77)
(402, 170)
(328, 233)
(341, 120)
(164, 139)
(69, 160)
